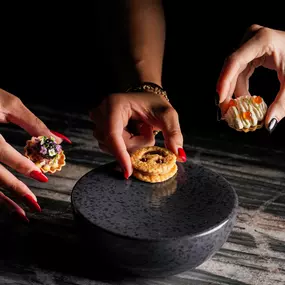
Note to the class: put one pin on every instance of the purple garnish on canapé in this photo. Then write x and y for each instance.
(47, 147)
(58, 148)
(43, 150)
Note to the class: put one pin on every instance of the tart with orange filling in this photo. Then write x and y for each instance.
(246, 113)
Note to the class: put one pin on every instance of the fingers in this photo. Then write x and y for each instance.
(240, 86)
(132, 143)
(19, 114)
(251, 31)
(145, 138)
(13, 208)
(123, 113)
(276, 112)
(115, 143)
(168, 121)
(12, 158)
(253, 49)
(242, 83)
(103, 148)
(10, 182)
(59, 137)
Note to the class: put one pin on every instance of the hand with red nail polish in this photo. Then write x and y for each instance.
(63, 137)
(12, 158)
(12, 110)
(125, 121)
(15, 211)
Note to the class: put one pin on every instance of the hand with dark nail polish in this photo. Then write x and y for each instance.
(261, 46)
(272, 125)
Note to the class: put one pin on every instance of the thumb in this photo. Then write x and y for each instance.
(276, 111)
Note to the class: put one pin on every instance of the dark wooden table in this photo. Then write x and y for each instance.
(47, 251)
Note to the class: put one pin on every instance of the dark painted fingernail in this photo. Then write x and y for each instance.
(217, 99)
(38, 175)
(32, 203)
(61, 136)
(219, 114)
(272, 125)
(19, 216)
(182, 154)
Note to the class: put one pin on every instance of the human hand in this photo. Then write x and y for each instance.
(12, 110)
(149, 112)
(261, 46)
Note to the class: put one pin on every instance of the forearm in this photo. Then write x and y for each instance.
(146, 27)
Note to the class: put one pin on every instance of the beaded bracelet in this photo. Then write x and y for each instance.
(152, 88)
(149, 87)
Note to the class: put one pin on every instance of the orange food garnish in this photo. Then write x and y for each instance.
(232, 103)
(246, 115)
(257, 100)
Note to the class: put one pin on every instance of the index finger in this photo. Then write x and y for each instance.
(238, 61)
(14, 159)
(115, 142)
(20, 115)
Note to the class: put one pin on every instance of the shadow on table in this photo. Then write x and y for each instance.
(51, 242)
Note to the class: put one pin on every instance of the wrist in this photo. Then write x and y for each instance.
(148, 73)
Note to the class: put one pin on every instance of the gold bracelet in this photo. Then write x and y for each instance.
(152, 88)
(149, 87)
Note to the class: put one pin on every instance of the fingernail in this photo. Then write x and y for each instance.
(219, 114)
(272, 125)
(32, 203)
(217, 99)
(61, 136)
(126, 175)
(18, 215)
(182, 154)
(38, 175)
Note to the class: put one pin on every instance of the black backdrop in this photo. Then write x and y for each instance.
(58, 55)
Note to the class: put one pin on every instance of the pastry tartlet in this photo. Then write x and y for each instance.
(246, 113)
(47, 155)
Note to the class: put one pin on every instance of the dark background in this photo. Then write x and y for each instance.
(60, 54)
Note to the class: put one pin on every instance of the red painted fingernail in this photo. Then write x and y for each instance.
(38, 175)
(32, 203)
(61, 136)
(18, 215)
(126, 174)
(182, 154)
